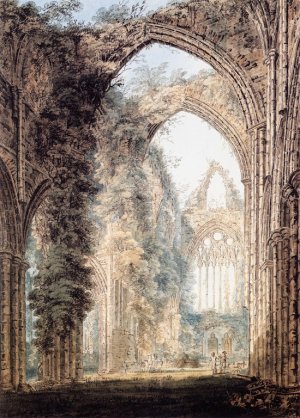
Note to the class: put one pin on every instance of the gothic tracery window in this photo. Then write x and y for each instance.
(219, 262)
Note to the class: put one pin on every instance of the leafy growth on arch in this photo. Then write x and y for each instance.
(140, 220)
(120, 13)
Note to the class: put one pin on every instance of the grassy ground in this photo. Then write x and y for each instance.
(181, 394)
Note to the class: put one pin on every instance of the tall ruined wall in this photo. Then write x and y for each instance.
(273, 213)
(20, 179)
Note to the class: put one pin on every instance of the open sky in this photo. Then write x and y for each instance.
(191, 141)
(89, 7)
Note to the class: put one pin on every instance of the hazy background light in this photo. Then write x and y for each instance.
(156, 54)
(190, 145)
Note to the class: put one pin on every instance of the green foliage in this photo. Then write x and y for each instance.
(149, 80)
(65, 144)
(62, 288)
(29, 16)
(119, 13)
(145, 257)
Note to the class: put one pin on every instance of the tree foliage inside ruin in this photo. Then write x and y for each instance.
(72, 121)
(64, 144)
(143, 239)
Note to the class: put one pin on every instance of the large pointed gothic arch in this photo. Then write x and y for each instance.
(225, 128)
(186, 39)
(217, 121)
(99, 275)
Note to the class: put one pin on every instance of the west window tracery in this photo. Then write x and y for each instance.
(219, 273)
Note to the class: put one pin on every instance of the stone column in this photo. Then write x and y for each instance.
(269, 273)
(271, 61)
(102, 329)
(101, 352)
(220, 288)
(199, 288)
(67, 357)
(111, 303)
(57, 358)
(15, 321)
(214, 285)
(280, 240)
(265, 324)
(294, 285)
(259, 326)
(206, 285)
(283, 39)
(247, 237)
(261, 173)
(5, 359)
(292, 291)
(79, 349)
(237, 285)
(275, 236)
(278, 311)
(226, 287)
(72, 354)
(22, 325)
(52, 366)
(21, 148)
(253, 254)
(45, 366)
(285, 307)
(18, 114)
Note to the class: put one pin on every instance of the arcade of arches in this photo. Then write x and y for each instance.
(254, 47)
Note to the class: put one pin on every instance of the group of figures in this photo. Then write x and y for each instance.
(219, 361)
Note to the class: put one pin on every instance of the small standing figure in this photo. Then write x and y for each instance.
(213, 362)
(224, 360)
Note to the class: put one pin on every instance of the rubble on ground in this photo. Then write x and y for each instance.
(269, 398)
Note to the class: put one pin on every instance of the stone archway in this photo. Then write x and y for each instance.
(235, 138)
(206, 46)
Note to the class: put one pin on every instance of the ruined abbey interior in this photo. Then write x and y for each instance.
(88, 291)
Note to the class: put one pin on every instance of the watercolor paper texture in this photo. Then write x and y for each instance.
(149, 208)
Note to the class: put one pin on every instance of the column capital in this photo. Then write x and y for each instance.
(272, 53)
(246, 181)
(279, 235)
(289, 193)
(25, 264)
(270, 56)
(6, 255)
(294, 180)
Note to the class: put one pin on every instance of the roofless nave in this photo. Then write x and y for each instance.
(254, 48)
